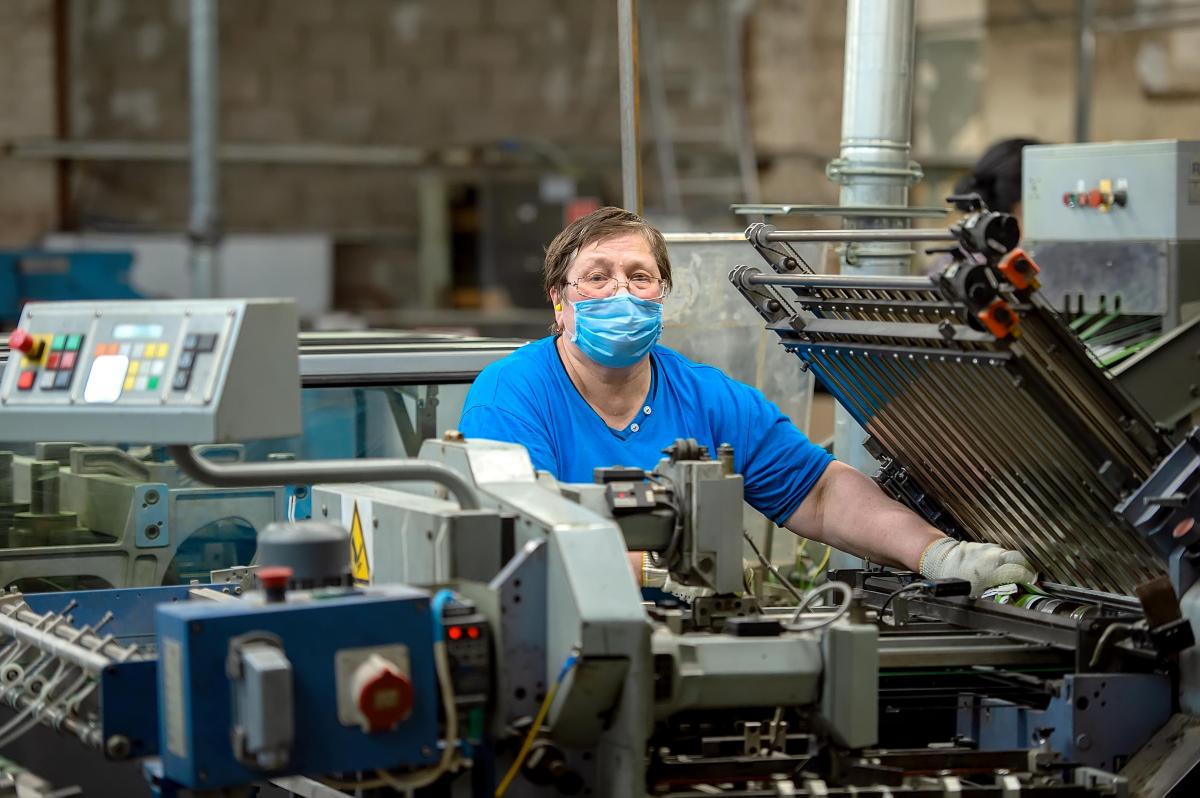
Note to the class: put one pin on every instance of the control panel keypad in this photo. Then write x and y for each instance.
(54, 357)
(147, 363)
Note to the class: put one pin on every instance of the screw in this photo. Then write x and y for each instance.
(117, 747)
(152, 532)
(152, 497)
(1083, 742)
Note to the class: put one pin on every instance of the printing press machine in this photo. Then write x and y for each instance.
(482, 633)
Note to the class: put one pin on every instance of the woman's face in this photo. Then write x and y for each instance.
(625, 257)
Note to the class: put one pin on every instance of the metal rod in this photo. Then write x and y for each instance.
(664, 145)
(203, 221)
(627, 58)
(894, 282)
(743, 134)
(18, 626)
(249, 475)
(872, 235)
(1085, 60)
(704, 238)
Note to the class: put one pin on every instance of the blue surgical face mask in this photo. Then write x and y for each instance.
(617, 331)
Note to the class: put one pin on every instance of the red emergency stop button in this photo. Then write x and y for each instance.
(26, 344)
(383, 694)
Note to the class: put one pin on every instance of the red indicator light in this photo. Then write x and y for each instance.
(473, 632)
(454, 633)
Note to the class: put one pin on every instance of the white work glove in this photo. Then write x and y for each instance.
(983, 564)
(658, 577)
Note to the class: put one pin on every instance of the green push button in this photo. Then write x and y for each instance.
(152, 384)
(59, 342)
(73, 342)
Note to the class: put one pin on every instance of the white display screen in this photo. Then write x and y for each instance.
(123, 332)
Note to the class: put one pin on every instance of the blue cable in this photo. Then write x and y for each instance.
(440, 599)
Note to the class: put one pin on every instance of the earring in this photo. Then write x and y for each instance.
(558, 306)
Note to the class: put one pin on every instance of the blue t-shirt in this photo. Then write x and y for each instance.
(528, 398)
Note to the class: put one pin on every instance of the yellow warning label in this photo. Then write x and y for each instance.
(360, 568)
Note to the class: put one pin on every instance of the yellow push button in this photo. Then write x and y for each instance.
(134, 365)
(129, 381)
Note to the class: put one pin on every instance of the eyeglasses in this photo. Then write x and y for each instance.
(598, 285)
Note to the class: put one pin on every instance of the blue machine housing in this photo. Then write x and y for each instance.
(311, 633)
(27, 275)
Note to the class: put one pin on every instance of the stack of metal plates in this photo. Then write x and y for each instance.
(1020, 440)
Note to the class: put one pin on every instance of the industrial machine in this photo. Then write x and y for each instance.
(106, 516)
(517, 659)
(1115, 228)
(992, 420)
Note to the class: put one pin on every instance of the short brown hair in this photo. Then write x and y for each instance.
(597, 226)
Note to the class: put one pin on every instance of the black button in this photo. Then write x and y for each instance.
(186, 359)
(182, 378)
(206, 342)
(190, 342)
(62, 380)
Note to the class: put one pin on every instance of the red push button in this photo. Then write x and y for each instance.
(26, 344)
(25, 381)
(382, 694)
(1095, 198)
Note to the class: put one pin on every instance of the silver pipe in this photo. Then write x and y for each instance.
(1085, 60)
(874, 166)
(869, 235)
(250, 475)
(627, 60)
(203, 220)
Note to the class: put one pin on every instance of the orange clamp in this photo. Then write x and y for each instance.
(999, 319)
(1020, 270)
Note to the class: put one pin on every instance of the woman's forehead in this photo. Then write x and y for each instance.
(627, 249)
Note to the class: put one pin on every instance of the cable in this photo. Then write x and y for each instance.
(667, 558)
(774, 571)
(448, 759)
(824, 562)
(911, 587)
(536, 726)
(1109, 632)
(842, 608)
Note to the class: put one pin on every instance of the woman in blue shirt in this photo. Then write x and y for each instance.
(603, 392)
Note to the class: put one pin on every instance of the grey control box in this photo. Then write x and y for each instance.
(153, 372)
(1115, 227)
(1160, 181)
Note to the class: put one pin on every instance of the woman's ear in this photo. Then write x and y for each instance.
(556, 300)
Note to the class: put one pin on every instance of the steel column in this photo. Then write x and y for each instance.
(627, 58)
(203, 221)
(873, 167)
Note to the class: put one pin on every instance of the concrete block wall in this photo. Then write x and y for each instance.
(28, 189)
(358, 72)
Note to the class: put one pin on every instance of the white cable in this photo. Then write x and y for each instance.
(843, 607)
(423, 778)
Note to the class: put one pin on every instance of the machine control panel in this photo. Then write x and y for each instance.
(1104, 197)
(152, 372)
